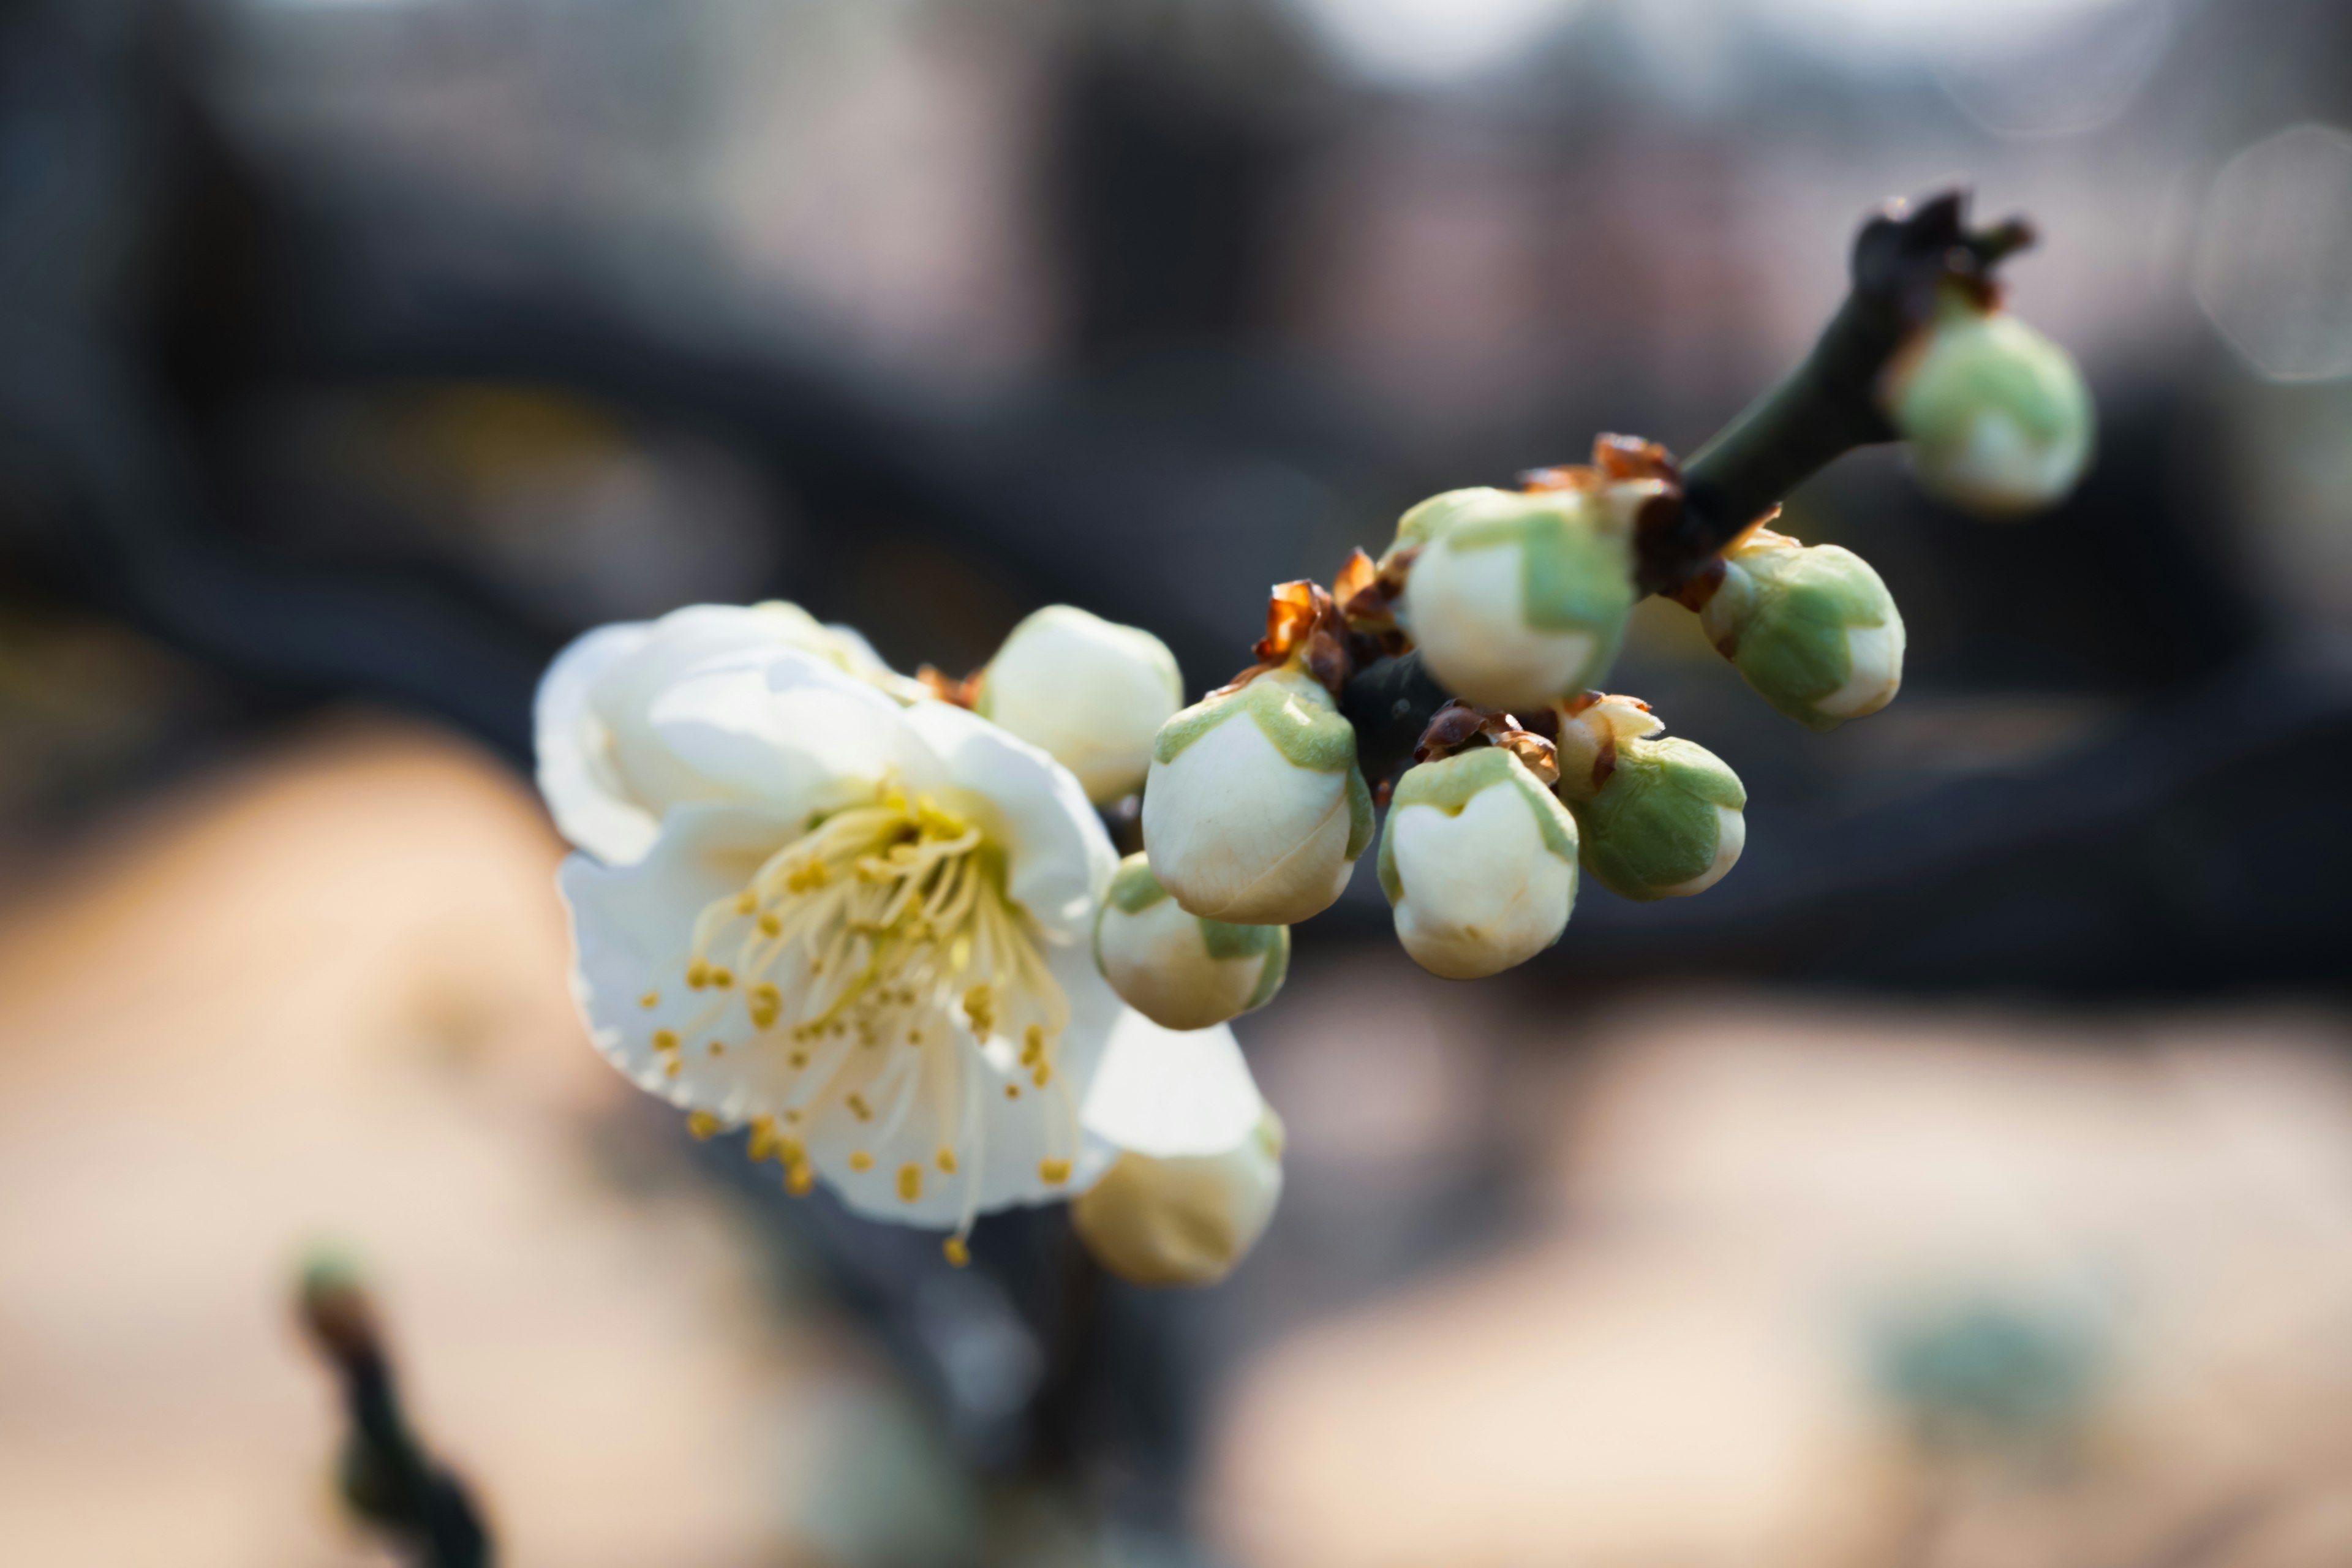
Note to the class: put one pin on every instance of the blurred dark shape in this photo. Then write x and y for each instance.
(386, 1477)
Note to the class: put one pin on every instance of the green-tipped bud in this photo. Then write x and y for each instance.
(1176, 969)
(1811, 627)
(1089, 692)
(1518, 599)
(1183, 1219)
(1997, 416)
(1256, 811)
(1660, 819)
(1479, 862)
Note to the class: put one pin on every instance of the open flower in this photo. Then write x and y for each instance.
(1659, 817)
(1183, 1219)
(616, 749)
(864, 935)
(1089, 692)
(1811, 627)
(1255, 812)
(1178, 969)
(1479, 861)
(1517, 599)
(1996, 415)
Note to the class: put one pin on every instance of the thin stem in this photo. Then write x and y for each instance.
(1904, 259)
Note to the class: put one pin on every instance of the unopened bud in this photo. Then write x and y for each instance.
(1517, 599)
(1089, 692)
(1479, 862)
(1812, 627)
(1256, 811)
(1997, 416)
(1659, 817)
(1183, 1219)
(1178, 970)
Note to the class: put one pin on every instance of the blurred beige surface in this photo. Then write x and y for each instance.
(1675, 1369)
(323, 997)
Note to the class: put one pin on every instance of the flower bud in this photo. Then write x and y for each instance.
(1658, 817)
(1178, 970)
(1812, 628)
(1256, 811)
(1089, 692)
(1183, 1219)
(1517, 599)
(1479, 861)
(1996, 415)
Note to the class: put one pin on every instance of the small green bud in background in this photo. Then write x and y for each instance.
(1517, 598)
(1811, 627)
(1176, 969)
(1658, 817)
(1255, 811)
(1089, 692)
(1996, 415)
(1479, 862)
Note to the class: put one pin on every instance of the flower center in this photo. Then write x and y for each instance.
(886, 930)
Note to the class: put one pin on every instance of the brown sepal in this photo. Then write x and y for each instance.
(1302, 624)
(964, 694)
(1456, 724)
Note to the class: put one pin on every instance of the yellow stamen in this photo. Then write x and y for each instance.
(958, 1254)
(910, 1182)
(665, 1040)
(697, 975)
(650, 999)
(800, 1180)
(947, 1162)
(702, 1124)
(859, 1160)
(1052, 1172)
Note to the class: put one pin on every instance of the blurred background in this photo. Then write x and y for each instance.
(1966, 1182)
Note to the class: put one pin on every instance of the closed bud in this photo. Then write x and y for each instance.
(1183, 1219)
(1517, 599)
(1997, 416)
(1479, 862)
(1811, 627)
(1256, 811)
(1089, 692)
(1178, 970)
(1658, 817)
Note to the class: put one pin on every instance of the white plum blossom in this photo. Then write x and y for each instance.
(607, 775)
(1255, 811)
(860, 927)
(1089, 692)
(1479, 861)
(1178, 969)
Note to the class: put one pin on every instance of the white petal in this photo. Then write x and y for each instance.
(779, 726)
(1481, 891)
(1091, 692)
(1059, 859)
(1236, 832)
(1166, 1092)
(607, 775)
(1017, 1136)
(575, 769)
(1464, 609)
(1875, 657)
(632, 931)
